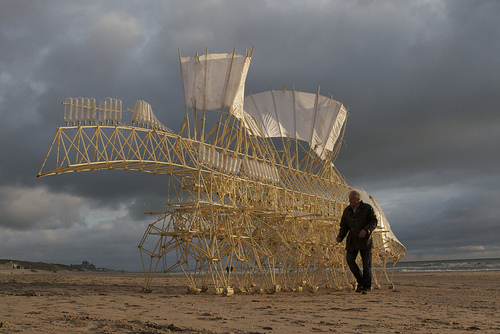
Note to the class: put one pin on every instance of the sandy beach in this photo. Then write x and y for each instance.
(47, 302)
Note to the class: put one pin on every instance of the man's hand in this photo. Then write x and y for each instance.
(362, 234)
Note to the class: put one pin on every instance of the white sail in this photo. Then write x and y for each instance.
(310, 117)
(215, 81)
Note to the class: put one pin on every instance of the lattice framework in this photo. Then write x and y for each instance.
(254, 201)
(274, 235)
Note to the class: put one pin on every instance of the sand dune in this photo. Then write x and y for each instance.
(46, 302)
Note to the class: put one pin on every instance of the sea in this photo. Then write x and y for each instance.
(434, 266)
(448, 265)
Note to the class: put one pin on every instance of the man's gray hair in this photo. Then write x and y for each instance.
(355, 193)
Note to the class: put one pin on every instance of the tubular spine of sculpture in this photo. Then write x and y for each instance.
(254, 202)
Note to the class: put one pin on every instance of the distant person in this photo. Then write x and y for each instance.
(358, 222)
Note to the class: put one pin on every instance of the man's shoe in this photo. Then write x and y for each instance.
(359, 288)
(366, 291)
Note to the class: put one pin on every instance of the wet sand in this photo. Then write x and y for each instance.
(46, 302)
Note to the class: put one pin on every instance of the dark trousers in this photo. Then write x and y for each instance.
(364, 280)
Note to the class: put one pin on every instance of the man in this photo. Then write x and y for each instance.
(358, 222)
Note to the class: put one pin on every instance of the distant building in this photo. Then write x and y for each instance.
(84, 266)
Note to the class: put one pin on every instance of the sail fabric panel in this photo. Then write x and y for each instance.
(329, 118)
(388, 240)
(267, 124)
(215, 81)
(304, 116)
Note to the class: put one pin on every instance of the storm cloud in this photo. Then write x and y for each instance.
(420, 79)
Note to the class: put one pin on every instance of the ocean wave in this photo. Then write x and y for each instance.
(449, 265)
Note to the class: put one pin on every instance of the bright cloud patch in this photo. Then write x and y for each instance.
(25, 208)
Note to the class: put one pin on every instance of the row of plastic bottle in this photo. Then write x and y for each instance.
(210, 157)
(83, 111)
(261, 171)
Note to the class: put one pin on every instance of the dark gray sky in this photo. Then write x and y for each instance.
(421, 79)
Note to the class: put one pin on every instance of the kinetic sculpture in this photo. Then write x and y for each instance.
(254, 201)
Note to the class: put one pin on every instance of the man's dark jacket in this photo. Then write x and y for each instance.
(352, 222)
